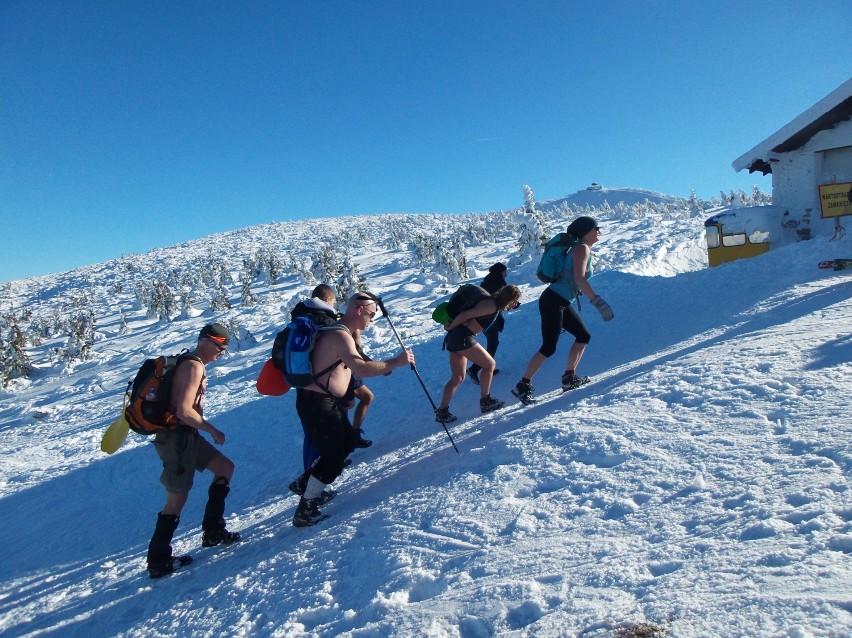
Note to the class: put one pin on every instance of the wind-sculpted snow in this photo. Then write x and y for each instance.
(698, 487)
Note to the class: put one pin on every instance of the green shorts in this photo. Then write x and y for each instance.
(183, 452)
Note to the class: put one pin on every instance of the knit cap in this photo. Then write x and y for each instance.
(217, 332)
(581, 226)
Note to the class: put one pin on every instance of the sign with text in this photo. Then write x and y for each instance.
(835, 200)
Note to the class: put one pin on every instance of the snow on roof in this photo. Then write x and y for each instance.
(833, 108)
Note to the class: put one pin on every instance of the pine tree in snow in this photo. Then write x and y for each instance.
(327, 266)
(186, 304)
(219, 300)
(81, 338)
(349, 281)
(529, 200)
(163, 305)
(694, 205)
(247, 297)
(14, 361)
(125, 328)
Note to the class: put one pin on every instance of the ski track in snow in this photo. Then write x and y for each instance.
(700, 486)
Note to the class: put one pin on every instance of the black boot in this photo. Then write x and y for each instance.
(298, 486)
(308, 513)
(160, 560)
(214, 522)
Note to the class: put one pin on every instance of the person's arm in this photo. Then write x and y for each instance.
(348, 354)
(580, 258)
(484, 307)
(185, 383)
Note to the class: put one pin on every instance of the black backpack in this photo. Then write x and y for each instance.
(465, 298)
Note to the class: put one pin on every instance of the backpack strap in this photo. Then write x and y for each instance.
(331, 368)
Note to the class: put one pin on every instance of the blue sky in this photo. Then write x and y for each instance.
(130, 125)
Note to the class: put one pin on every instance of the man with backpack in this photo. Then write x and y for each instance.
(320, 307)
(322, 405)
(573, 269)
(184, 451)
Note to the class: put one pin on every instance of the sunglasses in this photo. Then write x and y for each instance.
(372, 314)
(219, 346)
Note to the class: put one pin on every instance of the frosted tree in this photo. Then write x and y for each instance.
(694, 205)
(185, 303)
(450, 258)
(424, 250)
(532, 227)
(14, 361)
(759, 198)
(81, 337)
(349, 281)
(219, 300)
(163, 305)
(529, 200)
(124, 328)
(247, 297)
(327, 266)
(273, 266)
(143, 296)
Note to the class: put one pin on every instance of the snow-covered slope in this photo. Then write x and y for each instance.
(699, 487)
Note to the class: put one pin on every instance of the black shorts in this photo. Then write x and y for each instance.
(460, 338)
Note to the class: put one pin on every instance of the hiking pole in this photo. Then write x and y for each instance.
(413, 367)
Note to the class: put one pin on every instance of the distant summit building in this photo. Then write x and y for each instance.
(810, 160)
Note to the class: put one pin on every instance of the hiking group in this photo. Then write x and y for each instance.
(332, 345)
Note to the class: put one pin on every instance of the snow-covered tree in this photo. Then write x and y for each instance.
(14, 361)
(163, 305)
(529, 200)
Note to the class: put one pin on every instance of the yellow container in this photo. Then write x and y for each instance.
(739, 233)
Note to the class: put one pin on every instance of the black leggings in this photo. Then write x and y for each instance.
(557, 315)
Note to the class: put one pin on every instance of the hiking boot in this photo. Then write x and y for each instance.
(326, 495)
(571, 381)
(297, 487)
(489, 404)
(442, 415)
(170, 566)
(524, 392)
(213, 537)
(473, 374)
(360, 441)
(307, 513)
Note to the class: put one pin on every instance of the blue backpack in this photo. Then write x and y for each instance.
(553, 258)
(291, 351)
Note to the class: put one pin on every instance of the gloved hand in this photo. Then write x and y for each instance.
(603, 308)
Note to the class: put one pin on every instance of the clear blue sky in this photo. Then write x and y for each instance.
(130, 125)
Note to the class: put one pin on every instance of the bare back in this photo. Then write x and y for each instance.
(333, 345)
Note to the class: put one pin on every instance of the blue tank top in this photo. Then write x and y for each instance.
(566, 287)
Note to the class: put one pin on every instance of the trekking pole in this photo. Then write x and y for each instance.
(413, 367)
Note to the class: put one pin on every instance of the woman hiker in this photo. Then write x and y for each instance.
(557, 314)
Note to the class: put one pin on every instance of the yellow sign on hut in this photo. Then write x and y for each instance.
(835, 200)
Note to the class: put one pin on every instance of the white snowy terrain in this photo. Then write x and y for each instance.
(700, 486)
